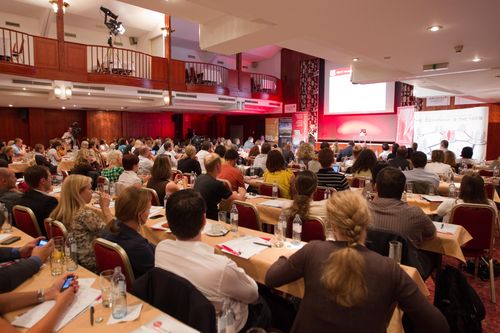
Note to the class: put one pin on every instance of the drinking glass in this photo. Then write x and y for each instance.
(100, 188)
(251, 172)
(431, 190)
(395, 250)
(278, 235)
(409, 190)
(106, 287)
(222, 216)
(361, 183)
(56, 263)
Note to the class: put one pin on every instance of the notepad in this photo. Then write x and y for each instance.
(274, 203)
(155, 210)
(164, 323)
(244, 247)
(446, 228)
(434, 198)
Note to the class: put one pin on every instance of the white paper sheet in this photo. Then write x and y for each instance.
(274, 203)
(83, 299)
(159, 226)
(244, 246)
(164, 324)
(446, 228)
(155, 210)
(4, 236)
(434, 198)
(133, 313)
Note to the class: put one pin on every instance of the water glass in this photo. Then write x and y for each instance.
(56, 263)
(105, 283)
(222, 216)
(215, 228)
(431, 190)
(278, 235)
(100, 188)
(395, 250)
(252, 172)
(409, 190)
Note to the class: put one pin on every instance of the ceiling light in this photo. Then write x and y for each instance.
(55, 6)
(74, 105)
(165, 31)
(88, 94)
(63, 107)
(24, 88)
(166, 97)
(355, 59)
(62, 89)
(57, 91)
(10, 105)
(477, 59)
(434, 28)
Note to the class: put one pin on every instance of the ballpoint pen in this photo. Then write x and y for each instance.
(92, 315)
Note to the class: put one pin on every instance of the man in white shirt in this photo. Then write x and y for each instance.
(167, 148)
(206, 148)
(261, 159)
(129, 177)
(385, 152)
(145, 161)
(18, 148)
(419, 160)
(215, 276)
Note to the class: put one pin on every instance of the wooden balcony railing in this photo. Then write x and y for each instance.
(206, 74)
(264, 83)
(111, 60)
(16, 47)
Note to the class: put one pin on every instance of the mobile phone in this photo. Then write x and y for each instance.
(10, 240)
(67, 283)
(156, 216)
(42, 242)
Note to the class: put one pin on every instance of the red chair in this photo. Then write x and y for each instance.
(155, 200)
(489, 188)
(187, 177)
(320, 192)
(479, 221)
(26, 221)
(267, 189)
(486, 173)
(109, 255)
(314, 228)
(248, 216)
(54, 228)
(175, 173)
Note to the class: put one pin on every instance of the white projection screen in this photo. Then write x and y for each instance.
(461, 127)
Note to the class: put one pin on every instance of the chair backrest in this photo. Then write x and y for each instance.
(175, 173)
(267, 189)
(187, 177)
(54, 228)
(421, 187)
(226, 183)
(479, 221)
(320, 192)
(102, 180)
(177, 297)
(26, 221)
(313, 228)
(155, 200)
(248, 216)
(489, 188)
(109, 255)
(486, 173)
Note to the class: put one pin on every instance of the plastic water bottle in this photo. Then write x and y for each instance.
(192, 179)
(452, 190)
(119, 305)
(165, 198)
(226, 322)
(327, 194)
(234, 219)
(112, 189)
(230, 321)
(297, 230)
(71, 253)
(275, 191)
(7, 225)
(495, 172)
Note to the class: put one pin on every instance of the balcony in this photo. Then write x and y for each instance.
(45, 58)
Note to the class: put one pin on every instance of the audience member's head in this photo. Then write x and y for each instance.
(220, 150)
(365, 161)
(450, 159)
(38, 177)
(325, 157)
(437, 156)
(84, 145)
(161, 170)
(132, 205)
(167, 146)
(324, 144)
(231, 155)
(4, 163)
(351, 143)
(467, 152)
(419, 159)
(414, 146)
(472, 189)
(212, 163)
(185, 213)
(266, 148)
(377, 168)
(385, 146)
(39, 148)
(130, 162)
(402, 152)
(254, 151)
(391, 183)
(356, 150)
(18, 142)
(114, 158)
(190, 151)
(76, 192)
(306, 183)
(395, 147)
(275, 161)
(144, 151)
(7, 179)
(444, 144)
(305, 152)
(343, 274)
(206, 145)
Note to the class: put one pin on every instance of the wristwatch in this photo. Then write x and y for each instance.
(40, 295)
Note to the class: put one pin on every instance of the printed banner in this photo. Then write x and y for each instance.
(300, 127)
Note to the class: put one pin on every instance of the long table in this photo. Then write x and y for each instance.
(81, 323)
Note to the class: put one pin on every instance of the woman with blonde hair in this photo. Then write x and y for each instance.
(188, 162)
(161, 172)
(349, 288)
(85, 222)
(132, 211)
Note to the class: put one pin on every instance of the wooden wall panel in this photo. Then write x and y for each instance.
(46, 53)
(178, 72)
(290, 75)
(14, 123)
(104, 125)
(76, 57)
(38, 132)
(159, 69)
(58, 121)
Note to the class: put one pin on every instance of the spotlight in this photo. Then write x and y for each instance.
(111, 22)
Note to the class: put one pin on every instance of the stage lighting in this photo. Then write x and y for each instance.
(111, 22)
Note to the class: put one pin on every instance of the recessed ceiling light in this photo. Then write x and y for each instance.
(355, 59)
(24, 88)
(63, 107)
(122, 108)
(74, 105)
(10, 105)
(88, 94)
(434, 28)
(140, 97)
(476, 59)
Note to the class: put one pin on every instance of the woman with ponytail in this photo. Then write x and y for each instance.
(306, 183)
(349, 288)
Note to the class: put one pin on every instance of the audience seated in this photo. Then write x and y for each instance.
(230, 172)
(8, 190)
(145, 160)
(349, 162)
(260, 160)
(36, 198)
(392, 214)
(450, 159)
(419, 160)
(26, 261)
(364, 164)
(160, 177)
(385, 152)
(437, 165)
(205, 149)
(53, 153)
(19, 300)
(288, 154)
(213, 190)
(471, 191)
(277, 173)
(7, 154)
(188, 162)
(167, 148)
(346, 152)
(86, 223)
(248, 144)
(221, 151)
(326, 176)
(349, 288)
(40, 158)
(114, 169)
(216, 276)
(129, 176)
(305, 153)
(306, 184)
(18, 147)
(466, 157)
(132, 211)
(394, 151)
(400, 161)
(444, 145)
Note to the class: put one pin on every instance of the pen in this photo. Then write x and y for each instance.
(442, 225)
(263, 244)
(91, 315)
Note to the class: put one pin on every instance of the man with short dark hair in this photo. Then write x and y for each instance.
(385, 152)
(392, 214)
(346, 152)
(444, 145)
(206, 148)
(230, 172)
(129, 177)
(260, 160)
(37, 199)
(400, 161)
(213, 190)
(419, 174)
(216, 276)
(41, 159)
(326, 176)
